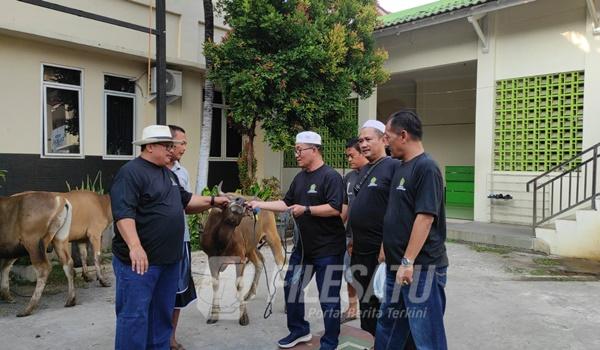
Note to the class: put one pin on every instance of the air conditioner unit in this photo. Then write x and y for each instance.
(173, 85)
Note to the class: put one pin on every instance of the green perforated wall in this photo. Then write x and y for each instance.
(333, 148)
(539, 121)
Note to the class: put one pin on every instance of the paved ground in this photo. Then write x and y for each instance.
(494, 302)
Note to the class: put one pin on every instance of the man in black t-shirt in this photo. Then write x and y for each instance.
(414, 235)
(356, 160)
(366, 218)
(147, 205)
(315, 199)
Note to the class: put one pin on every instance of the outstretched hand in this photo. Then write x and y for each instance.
(221, 201)
(254, 204)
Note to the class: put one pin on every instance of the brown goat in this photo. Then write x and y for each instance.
(91, 217)
(28, 223)
(231, 237)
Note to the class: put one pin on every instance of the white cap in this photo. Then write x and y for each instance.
(308, 137)
(154, 134)
(375, 124)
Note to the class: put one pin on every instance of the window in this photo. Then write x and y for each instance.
(225, 140)
(62, 88)
(119, 116)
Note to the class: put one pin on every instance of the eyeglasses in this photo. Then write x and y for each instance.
(167, 145)
(298, 151)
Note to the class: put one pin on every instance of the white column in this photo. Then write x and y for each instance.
(367, 108)
(591, 103)
(484, 123)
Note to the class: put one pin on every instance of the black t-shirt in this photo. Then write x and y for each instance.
(153, 197)
(349, 182)
(321, 236)
(368, 209)
(417, 187)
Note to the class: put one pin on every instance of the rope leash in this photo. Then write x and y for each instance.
(269, 308)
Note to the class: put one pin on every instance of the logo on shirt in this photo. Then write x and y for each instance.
(373, 182)
(312, 189)
(401, 185)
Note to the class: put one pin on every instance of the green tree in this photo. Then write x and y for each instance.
(291, 65)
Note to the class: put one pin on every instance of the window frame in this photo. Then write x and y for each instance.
(44, 129)
(223, 157)
(131, 95)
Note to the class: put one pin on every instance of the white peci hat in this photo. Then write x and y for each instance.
(154, 134)
(375, 124)
(310, 137)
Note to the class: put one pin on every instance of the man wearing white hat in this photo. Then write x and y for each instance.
(366, 218)
(147, 204)
(315, 198)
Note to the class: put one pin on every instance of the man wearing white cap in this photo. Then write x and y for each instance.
(366, 218)
(315, 199)
(147, 205)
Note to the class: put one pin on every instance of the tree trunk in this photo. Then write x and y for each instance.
(202, 174)
(250, 154)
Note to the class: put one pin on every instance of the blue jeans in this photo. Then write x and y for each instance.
(144, 305)
(416, 310)
(297, 278)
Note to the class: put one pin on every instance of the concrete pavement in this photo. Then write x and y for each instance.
(489, 306)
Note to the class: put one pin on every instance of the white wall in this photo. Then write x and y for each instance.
(447, 110)
(542, 37)
(184, 25)
(439, 45)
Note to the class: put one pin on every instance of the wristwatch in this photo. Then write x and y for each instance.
(307, 210)
(406, 261)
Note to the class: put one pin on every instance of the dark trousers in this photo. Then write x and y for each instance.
(363, 270)
(414, 313)
(144, 305)
(298, 276)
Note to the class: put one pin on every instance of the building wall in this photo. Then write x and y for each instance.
(439, 45)
(541, 37)
(184, 22)
(447, 109)
(31, 35)
(22, 129)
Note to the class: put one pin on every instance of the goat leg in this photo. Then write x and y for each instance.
(96, 240)
(62, 250)
(5, 266)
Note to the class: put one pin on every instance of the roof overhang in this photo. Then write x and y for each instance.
(473, 11)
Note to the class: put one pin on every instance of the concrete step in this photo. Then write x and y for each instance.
(515, 236)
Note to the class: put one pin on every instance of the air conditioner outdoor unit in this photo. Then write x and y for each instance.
(173, 85)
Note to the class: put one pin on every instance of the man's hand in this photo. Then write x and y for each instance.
(139, 260)
(221, 201)
(404, 276)
(297, 210)
(350, 245)
(254, 204)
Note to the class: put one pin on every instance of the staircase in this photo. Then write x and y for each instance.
(565, 218)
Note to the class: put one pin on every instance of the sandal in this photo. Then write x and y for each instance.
(347, 318)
